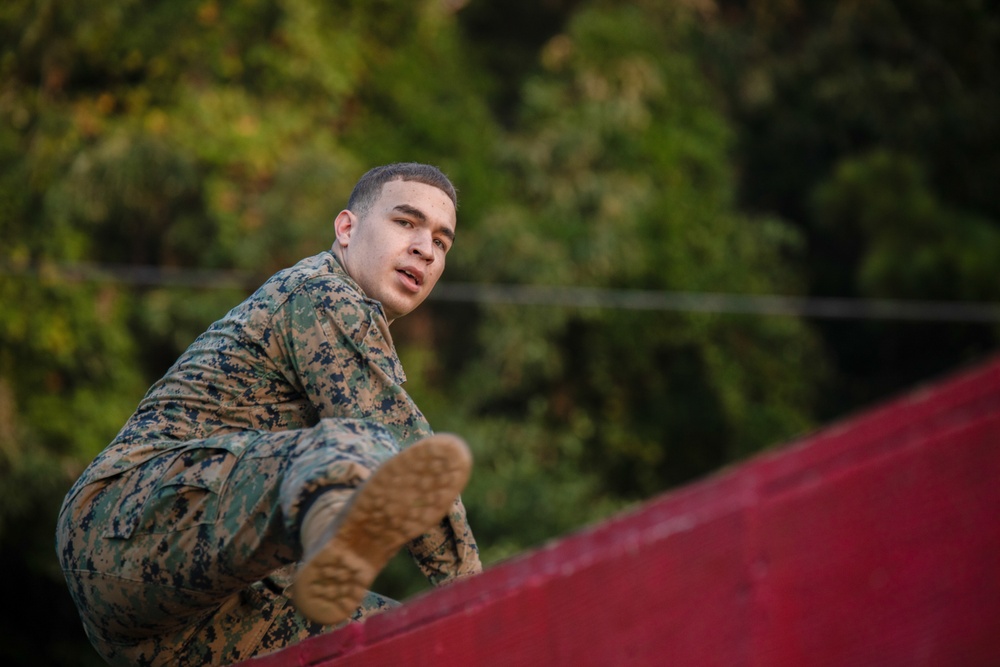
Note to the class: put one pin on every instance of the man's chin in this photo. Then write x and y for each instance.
(398, 310)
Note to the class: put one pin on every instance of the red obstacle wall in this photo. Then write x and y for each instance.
(873, 542)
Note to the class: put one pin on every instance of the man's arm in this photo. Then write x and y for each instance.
(339, 348)
(339, 355)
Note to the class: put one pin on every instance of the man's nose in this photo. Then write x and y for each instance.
(423, 246)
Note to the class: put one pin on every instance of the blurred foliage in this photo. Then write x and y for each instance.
(620, 161)
(873, 127)
(827, 148)
(916, 245)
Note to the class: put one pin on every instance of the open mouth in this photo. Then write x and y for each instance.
(411, 280)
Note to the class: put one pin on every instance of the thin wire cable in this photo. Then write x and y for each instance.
(552, 296)
(708, 302)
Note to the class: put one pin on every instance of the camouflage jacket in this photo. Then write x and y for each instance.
(307, 345)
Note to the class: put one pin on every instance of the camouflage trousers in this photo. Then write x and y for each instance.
(184, 559)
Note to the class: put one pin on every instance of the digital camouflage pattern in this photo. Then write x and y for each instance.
(180, 540)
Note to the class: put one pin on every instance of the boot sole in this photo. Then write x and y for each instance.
(405, 497)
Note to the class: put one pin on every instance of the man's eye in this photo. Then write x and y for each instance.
(404, 223)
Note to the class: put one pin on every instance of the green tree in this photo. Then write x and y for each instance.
(889, 113)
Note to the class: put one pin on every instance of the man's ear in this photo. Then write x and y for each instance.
(343, 227)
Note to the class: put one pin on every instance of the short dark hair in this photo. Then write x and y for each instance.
(369, 186)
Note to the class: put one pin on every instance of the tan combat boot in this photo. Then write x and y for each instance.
(347, 540)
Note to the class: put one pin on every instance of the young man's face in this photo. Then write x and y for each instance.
(396, 252)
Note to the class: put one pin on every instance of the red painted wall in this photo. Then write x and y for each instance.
(873, 542)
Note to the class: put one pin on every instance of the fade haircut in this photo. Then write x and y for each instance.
(369, 187)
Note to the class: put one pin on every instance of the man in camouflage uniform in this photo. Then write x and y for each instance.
(267, 477)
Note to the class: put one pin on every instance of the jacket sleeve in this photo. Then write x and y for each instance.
(337, 352)
(343, 358)
(449, 552)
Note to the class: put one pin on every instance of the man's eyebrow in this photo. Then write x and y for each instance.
(422, 217)
(410, 210)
